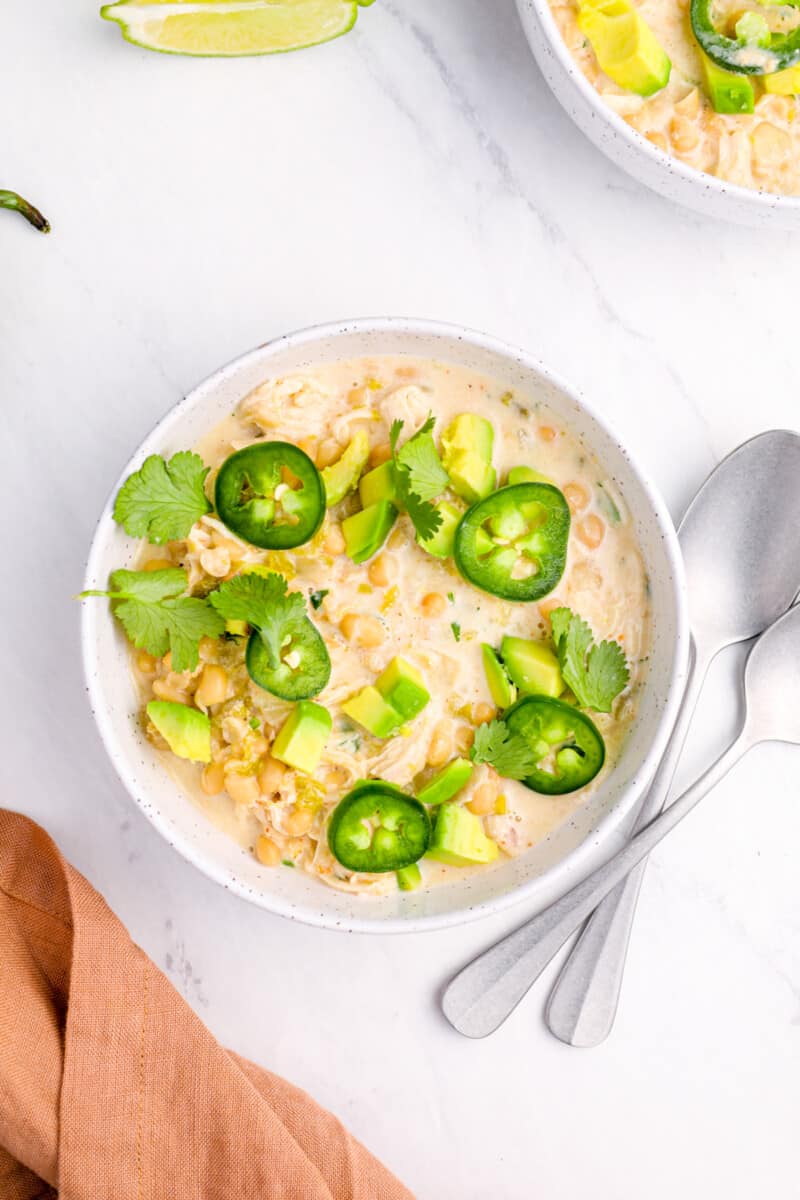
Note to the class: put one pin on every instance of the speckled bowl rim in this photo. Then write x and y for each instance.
(573, 866)
(703, 192)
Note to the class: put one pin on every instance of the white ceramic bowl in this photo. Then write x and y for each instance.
(632, 151)
(552, 866)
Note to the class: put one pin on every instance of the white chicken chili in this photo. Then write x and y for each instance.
(389, 621)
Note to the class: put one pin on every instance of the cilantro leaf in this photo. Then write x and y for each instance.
(162, 500)
(419, 457)
(263, 602)
(596, 673)
(509, 753)
(419, 476)
(158, 617)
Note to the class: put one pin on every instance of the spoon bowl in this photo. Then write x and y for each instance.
(739, 541)
(772, 683)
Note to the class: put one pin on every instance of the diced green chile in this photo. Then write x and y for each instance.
(246, 499)
(570, 748)
(513, 544)
(302, 669)
(377, 827)
(733, 55)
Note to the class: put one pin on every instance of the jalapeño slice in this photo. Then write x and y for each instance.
(301, 669)
(513, 544)
(778, 51)
(569, 745)
(271, 495)
(377, 827)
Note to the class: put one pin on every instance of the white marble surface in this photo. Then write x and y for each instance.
(418, 166)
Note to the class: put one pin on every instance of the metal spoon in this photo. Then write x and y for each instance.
(747, 512)
(739, 540)
(481, 996)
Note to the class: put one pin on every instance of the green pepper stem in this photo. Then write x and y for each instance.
(16, 203)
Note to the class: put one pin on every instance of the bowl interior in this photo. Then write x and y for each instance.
(551, 866)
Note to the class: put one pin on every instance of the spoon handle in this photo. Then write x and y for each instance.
(480, 997)
(584, 999)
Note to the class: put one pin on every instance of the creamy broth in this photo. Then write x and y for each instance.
(756, 150)
(604, 581)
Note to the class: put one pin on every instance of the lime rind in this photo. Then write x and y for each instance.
(230, 28)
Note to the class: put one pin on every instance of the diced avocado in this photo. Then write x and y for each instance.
(343, 475)
(501, 688)
(447, 783)
(236, 628)
(403, 687)
(187, 731)
(459, 838)
(471, 476)
(371, 710)
(379, 484)
(302, 737)
(409, 878)
(366, 531)
(468, 432)
(526, 475)
(780, 83)
(625, 46)
(729, 93)
(441, 544)
(532, 666)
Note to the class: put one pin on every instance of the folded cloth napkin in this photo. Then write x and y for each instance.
(112, 1089)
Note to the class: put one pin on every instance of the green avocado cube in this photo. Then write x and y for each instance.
(402, 686)
(302, 737)
(447, 783)
(729, 93)
(187, 731)
(471, 477)
(366, 531)
(533, 667)
(378, 484)
(441, 544)
(625, 46)
(526, 475)
(343, 475)
(501, 689)
(468, 432)
(409, 878)
(459, 839)
(371, 710)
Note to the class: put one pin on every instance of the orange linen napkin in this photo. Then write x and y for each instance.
(110, 1086)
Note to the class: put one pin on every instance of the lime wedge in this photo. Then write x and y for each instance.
(230, 28)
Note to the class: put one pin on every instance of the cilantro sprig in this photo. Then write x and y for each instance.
(595, 672)
(509, 753)
(420, 476)
(162, 500)
(263, 602)
(157, 616)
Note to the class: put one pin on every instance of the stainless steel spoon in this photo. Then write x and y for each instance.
(481, 996)
(740, 540)
(746, 515)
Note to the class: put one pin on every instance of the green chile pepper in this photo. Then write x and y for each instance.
(259, 503)
(570, 747)
(302, 669)
(16, 203)
(513, 544)
(783, 49)
(377, 827)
